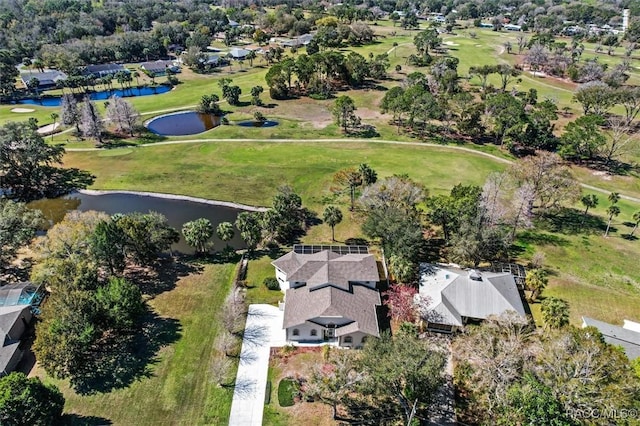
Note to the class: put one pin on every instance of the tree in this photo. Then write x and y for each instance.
(197, 234)
(550, 179)
(404, 370)
(288, 214)
(400, 301)
(369, 176)
(29, 402)
(123, 114)
(232, 94)
(588, 201)
(91, 124)
(612, 211)
(343, 111)
(555, 312)
(27, 170)
(146, 235)
(536, 280)
(18, 225)
(350, 178)
(483, 72)
(248, 223)
(332, 216)
(582, 139)
(69, 111)
(636, 222)
(108, 245)
(537, 57)
(595, 97)
(119, 304)
(256, 91)
(225, 231)
(508, 115)
(507, 73)
(425, 40)
(209, 105)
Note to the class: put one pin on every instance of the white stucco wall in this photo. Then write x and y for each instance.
(305, 332)
(356, 339)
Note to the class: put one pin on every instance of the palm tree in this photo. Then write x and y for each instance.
(225, 231)
(251, 56)
(588, 201)
(614, 197)
(54, 116)
(332, 216)
(636, 219)
(136, 75)
(555, 312)
(612, 211)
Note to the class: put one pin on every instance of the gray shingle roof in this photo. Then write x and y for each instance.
(617, 336)
(6, 355)
(358, 305)
(327, 267)
(453, 294)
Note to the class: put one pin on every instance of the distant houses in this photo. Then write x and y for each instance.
(456, 296)
(238, 53)
(103, 70)
(160, 67)
(46, 80)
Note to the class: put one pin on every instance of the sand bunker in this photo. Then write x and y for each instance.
(49, 128)
(22, 110)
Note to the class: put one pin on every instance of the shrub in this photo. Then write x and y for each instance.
(287, 390)
(272, 283)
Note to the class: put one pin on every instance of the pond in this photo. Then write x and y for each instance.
(52, 101)
(183, 123)
(177, 211)
(267, 123)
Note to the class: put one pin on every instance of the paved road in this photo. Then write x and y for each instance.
(263, 330)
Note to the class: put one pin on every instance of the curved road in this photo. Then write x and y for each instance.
(349, 140)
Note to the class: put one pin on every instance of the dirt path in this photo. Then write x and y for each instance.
(346, 141)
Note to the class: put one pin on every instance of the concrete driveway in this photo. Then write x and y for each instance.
(263, 330)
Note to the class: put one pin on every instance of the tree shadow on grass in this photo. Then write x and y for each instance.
(80, 420)
(118, 361)
(163, 277)
(541, 239)
(570, 222)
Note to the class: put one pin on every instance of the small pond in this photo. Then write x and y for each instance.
(183, 123)
(177, 212)
(52, 101)
(267, 123)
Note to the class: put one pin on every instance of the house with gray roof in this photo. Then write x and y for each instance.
(46, 80)
(627, 337)
(455, 296)
(329, 297)
(238, 53)
(102, 70)
(14, 320)
(160, 67)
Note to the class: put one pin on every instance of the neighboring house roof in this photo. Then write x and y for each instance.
(454, 293)
(327, 267)
(46, 78)
(357, 304)
(237, 52)
(8, 356)
(9, 315)
(104, 69)
(17, 294)
(618, 336)
(159, 66)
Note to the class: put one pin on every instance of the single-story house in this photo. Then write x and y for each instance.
(238, 53)
(160, 67)
(14, 320)
(455, 296)
(627, 337)
(103, 70)
(512, 27)
(46, 79)
(329, 296)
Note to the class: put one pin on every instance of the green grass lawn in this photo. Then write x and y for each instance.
(260, 268)
(179, 389)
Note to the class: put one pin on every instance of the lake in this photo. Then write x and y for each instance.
(52, 101)
(177, 212)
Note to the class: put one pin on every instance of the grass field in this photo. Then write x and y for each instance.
(179, 389)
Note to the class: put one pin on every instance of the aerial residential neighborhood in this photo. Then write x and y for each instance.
(319, 213)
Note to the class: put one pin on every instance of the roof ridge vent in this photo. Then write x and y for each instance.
(475, 275)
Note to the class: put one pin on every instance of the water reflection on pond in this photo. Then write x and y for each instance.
(183, 123)
(177, 212)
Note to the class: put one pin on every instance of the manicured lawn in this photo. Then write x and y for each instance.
(179, 389)
(260, 268)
